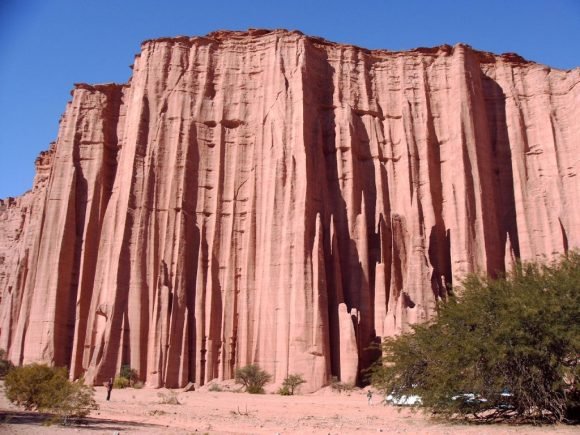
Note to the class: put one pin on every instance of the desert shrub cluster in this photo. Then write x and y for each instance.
(253, 378)
(499, 349)
(39, 387)
(120, 382)
(291, 384)
(128, 377)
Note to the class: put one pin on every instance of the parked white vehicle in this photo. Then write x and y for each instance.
(403, 400)
(469, 398)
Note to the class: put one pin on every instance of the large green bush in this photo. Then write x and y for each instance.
(47, 389)
(501, 349)
(253, 378)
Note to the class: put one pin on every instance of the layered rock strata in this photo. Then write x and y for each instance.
(267, 197)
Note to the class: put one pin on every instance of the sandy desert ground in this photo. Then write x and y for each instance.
(133, 411)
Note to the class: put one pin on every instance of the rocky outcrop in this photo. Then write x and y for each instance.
(274, 198)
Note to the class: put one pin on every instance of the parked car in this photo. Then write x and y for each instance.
(470, 398)
(403, 400)
(473, 398)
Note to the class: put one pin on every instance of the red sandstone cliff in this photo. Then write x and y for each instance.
(273, 198)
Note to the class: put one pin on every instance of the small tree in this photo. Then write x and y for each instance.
(501, 349)
(129, 373)
(47, 389)
(290, 384)
(253, 378)
(120, 383)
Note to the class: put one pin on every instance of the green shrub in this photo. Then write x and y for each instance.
(253, 378)
(129, 373)
(290, 384)
(78, 402)
(47, 389)
(519, 337)
(120, 382)
(33, 387)
(284, 391)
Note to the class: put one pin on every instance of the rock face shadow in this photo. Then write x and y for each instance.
(9, 418)
(503, 177)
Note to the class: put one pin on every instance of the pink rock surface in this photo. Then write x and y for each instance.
(267, 197)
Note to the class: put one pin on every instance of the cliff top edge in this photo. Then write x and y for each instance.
(221, 36)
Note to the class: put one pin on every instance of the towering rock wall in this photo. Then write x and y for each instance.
(274, 198)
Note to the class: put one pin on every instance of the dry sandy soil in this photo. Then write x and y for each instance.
(325, 412)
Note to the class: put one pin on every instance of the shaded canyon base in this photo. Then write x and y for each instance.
(324, 412)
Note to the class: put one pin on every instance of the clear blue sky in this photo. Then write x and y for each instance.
(47, 45)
